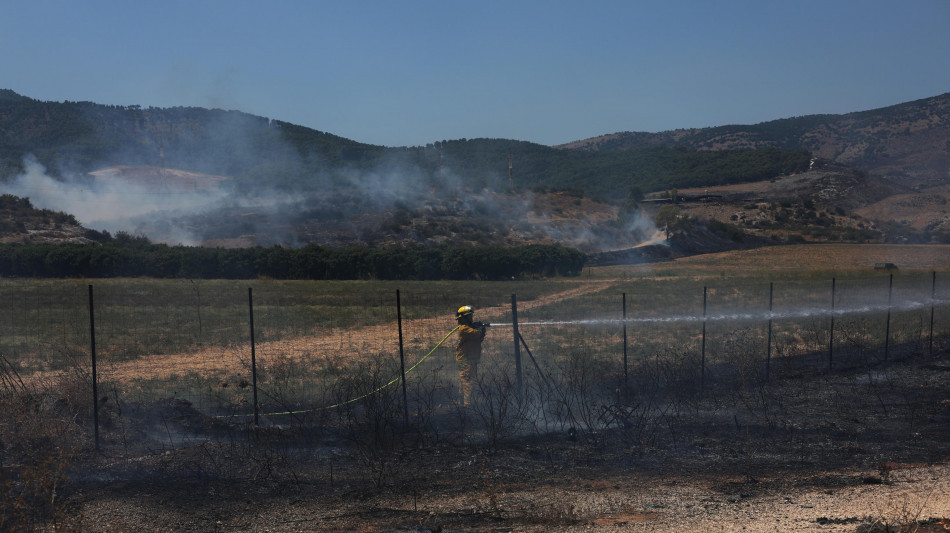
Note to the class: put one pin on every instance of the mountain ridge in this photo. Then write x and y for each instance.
(908, 143)
(227, 178)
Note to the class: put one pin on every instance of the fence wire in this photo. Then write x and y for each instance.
(581, 343)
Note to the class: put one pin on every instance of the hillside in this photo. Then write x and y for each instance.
(77, 138)
(229, 179)
(905, 143)
(336, 218)
(826, 203)
(21, 222)
(829, 202)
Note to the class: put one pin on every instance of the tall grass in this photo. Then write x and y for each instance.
(177, 352)
(191, 339)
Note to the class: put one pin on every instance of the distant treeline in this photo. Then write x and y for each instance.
(613, 174)
(142, 259)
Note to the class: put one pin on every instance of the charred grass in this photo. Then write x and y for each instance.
(749, 414)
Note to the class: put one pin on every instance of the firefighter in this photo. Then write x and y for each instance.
(468, 351)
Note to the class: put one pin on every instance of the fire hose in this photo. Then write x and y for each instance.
(358, 398)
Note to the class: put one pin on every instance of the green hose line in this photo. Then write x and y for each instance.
(358, 398)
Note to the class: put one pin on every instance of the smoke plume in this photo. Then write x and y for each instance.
(393, 201)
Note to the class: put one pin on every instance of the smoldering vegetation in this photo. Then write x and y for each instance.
(325, 413)
(366, 208)
(199, 177)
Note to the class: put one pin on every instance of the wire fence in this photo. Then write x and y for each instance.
(292, 353)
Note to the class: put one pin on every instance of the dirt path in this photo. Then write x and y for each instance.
(337, 344)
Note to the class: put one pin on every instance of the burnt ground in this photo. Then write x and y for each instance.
(862, 449)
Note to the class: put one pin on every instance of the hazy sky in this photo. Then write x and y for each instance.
(406, 73)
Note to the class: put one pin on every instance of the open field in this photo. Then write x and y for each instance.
(794, 260)
(743, 390)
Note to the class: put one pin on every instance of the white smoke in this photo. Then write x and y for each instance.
(108, 201)
(644, 230)
(345, 206)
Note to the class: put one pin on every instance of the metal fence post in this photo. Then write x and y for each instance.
(517, 338)
(250, 306)
(831, 333)
(933, 300)
(702, 369)
(768, 353)
(402, 359)
(887, 329)
(95, 375)
(626, 382)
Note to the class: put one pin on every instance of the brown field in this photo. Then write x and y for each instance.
(340, 344)
(920, 210)
(802, 259)
(334, 344)
(849, 450)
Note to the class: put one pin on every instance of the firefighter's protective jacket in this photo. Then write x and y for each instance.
(469, 347)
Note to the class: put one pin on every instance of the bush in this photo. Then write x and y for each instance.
(127, 256)
(40, 439)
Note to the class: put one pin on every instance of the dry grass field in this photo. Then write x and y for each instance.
(799, 260)
(860, 447)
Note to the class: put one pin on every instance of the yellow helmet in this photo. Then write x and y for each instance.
(465, 310)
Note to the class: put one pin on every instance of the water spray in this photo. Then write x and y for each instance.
(807, 312)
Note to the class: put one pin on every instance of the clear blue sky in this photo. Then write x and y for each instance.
(406, 73)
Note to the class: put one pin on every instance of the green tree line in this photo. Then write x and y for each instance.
(484, 162)
(136, 257)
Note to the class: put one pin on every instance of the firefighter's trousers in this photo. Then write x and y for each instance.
(468, 375)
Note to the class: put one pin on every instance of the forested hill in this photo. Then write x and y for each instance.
(228, 179)
(907, 143)
(81, 137)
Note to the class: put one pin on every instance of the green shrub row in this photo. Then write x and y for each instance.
(135, 258)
